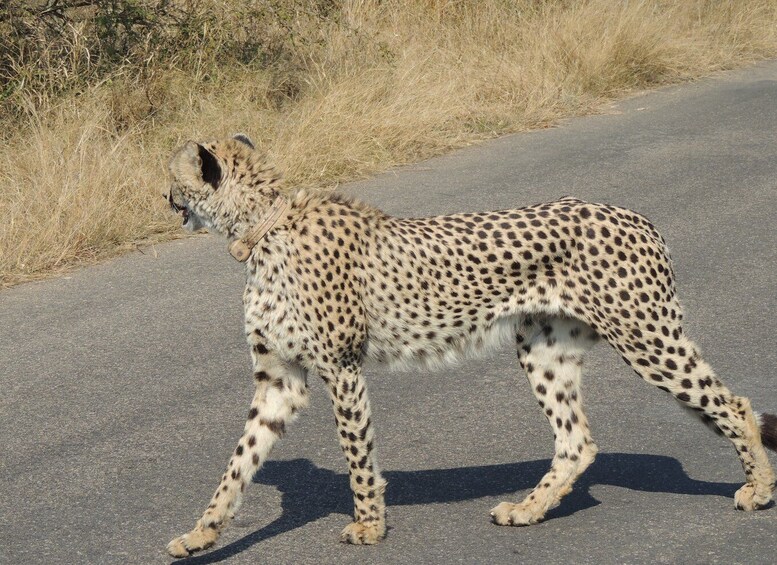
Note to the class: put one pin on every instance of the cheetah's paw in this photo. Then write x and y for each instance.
(509, 514)
(751, 497)
(196, 540)
(363, 534)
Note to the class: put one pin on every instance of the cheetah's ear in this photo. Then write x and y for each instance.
(209, 167)
(243, 138)
(192, 163)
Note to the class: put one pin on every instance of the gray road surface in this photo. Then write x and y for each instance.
(124, 386)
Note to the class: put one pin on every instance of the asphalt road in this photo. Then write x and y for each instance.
(124, 386)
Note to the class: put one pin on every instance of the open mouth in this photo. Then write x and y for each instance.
(184, 211)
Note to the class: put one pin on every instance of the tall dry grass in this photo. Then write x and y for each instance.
(337, 93)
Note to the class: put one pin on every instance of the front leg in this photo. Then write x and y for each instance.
(280, 391)
(352, 413)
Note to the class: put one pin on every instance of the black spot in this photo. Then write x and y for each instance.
(278, 427)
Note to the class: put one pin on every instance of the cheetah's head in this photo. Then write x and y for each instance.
(222, 185)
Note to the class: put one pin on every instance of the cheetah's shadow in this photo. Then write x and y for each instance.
(309, 493)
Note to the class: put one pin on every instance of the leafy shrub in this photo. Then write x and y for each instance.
(47, 47)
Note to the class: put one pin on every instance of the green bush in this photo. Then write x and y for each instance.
(50, 46)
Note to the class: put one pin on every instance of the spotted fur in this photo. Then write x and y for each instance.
(336, 282)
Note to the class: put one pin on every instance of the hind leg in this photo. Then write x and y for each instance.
(551, 355)
(663, 356)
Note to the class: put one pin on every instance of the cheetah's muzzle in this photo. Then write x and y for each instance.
(178, 209)
(185, 216)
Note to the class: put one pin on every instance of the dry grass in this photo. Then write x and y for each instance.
(369, 85)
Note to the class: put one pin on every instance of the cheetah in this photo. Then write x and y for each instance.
(333, 282)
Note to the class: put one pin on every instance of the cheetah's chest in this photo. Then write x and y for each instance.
(270, 309)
